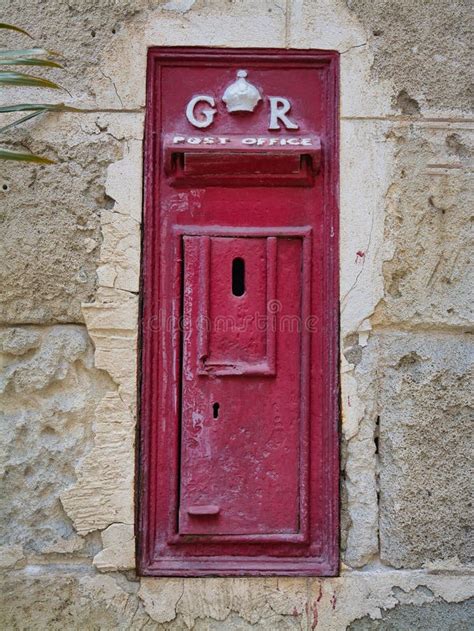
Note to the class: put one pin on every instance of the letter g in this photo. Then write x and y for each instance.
(207, 112)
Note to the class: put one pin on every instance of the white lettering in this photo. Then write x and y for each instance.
(279, 107)
(208, 113)
(259, 141)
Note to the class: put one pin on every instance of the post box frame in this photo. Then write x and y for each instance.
(154, 500)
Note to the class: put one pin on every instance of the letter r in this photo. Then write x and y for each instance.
(279, 107)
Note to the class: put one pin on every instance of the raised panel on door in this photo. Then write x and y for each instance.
(241, 386)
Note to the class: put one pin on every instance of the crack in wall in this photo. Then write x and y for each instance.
(113, 84)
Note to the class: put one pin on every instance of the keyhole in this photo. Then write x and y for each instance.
(238, 277)
(215, 410)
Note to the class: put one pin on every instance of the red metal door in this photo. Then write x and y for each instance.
(238, 432)
(242, 404)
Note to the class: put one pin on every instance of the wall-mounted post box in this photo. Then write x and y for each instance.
(239, 395)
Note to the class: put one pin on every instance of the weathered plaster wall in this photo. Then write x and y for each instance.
(69, 305)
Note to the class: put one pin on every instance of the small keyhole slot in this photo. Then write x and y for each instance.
(238, 277)
(215, 410)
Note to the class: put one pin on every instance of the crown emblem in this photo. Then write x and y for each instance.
(241, 96)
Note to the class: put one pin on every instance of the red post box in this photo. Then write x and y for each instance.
(239, 392)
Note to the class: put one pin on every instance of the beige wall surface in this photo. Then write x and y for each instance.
(69, 277)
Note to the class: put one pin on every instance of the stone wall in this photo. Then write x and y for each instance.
(70, 246)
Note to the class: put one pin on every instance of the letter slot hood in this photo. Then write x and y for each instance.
(238, 160)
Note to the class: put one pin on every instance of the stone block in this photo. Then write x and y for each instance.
(428, 264)
(74, 600)
(425, 442)
(434, 616)
(420, 48)
(50, 215)
(49, 391)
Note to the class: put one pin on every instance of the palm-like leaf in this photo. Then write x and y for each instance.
(11, 27)
(27, 57)
(26, 61)
(6, 154)
(20, 121)
(9, 77)
(44, 107)
(25, 52)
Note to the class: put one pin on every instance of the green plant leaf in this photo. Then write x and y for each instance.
(20, 121)
(6, 154)
(29, 62)
(6, 53)
(44, 107)
(8, 77)
(14, 28)
(38, 57)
